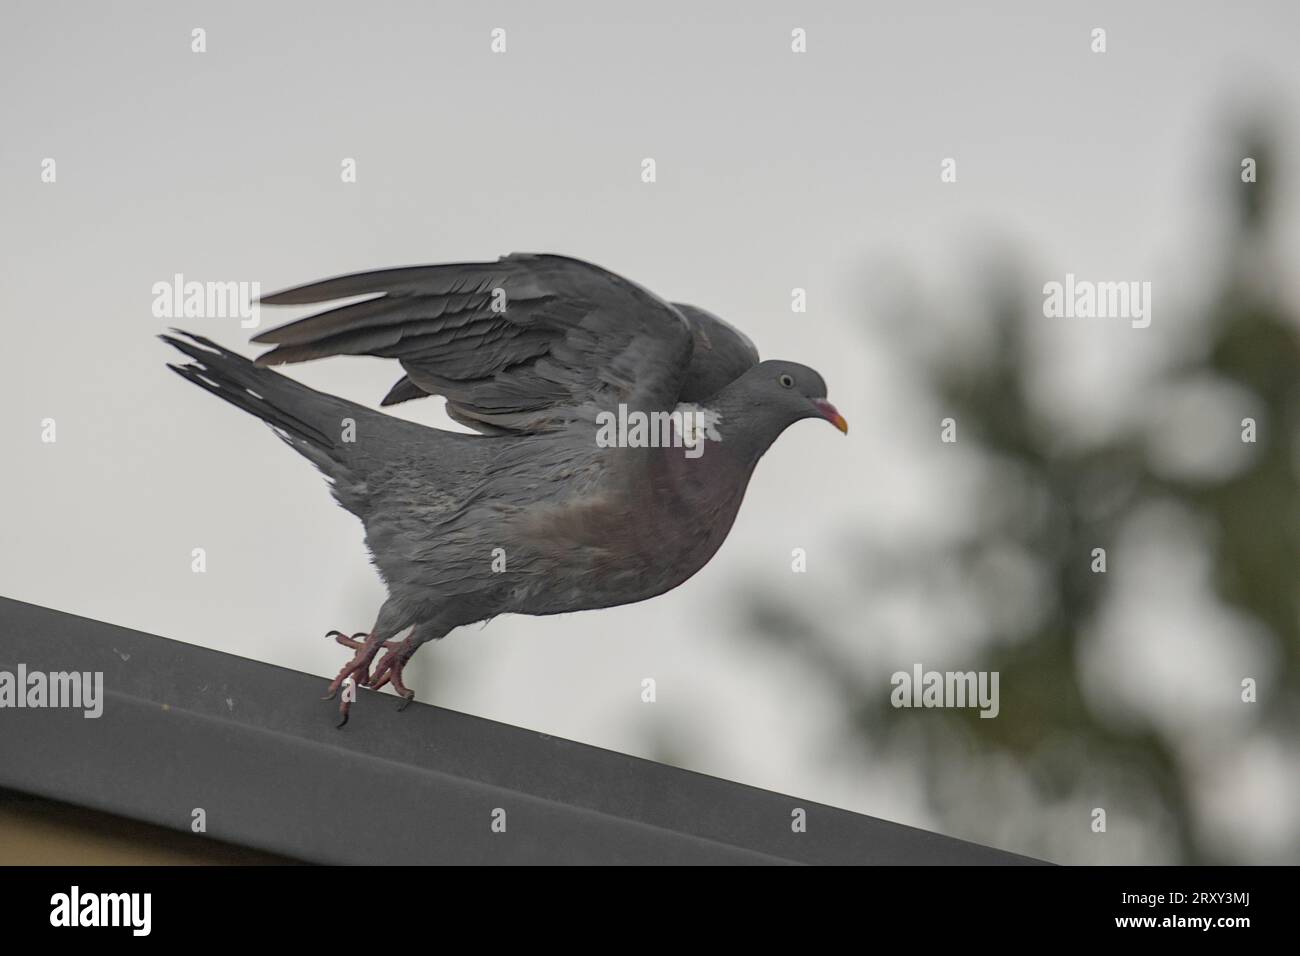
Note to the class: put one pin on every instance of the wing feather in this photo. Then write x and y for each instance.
(571, 340)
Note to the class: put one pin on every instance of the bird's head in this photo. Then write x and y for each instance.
(787, 392)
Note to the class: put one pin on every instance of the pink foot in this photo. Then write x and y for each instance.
(390, 669)
(358, 668)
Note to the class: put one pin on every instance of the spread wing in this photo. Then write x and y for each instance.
(522, 344)
(721, 355)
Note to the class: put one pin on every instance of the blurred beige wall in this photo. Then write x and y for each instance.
(38, 832)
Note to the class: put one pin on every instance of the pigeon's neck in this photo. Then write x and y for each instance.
(708, 477)
(722, 439)
(744, 432)
(696, 494)
(716, 457)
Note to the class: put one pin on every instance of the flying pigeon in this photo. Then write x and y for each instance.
(617, 433)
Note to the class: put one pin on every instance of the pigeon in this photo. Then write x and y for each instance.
(614, 436)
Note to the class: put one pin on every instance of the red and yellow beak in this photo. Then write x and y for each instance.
(831, 414)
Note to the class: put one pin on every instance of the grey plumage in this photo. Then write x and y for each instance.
(721, 354)
(533, 516)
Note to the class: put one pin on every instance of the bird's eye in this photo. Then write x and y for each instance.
(787, 381)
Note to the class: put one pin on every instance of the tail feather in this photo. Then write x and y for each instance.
(303, 417)
(265, 394)
(312, 422)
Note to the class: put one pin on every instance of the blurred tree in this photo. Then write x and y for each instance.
(1051, 505)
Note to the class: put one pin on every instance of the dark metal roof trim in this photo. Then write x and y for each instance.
(252, 745)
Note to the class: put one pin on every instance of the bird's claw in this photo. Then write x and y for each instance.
(356, 641)
(358, 669)
(389, 670)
